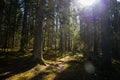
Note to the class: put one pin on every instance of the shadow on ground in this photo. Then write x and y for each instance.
(13, 64)
(76, 71)
(40, 76)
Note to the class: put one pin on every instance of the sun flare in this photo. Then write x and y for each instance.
(86, 3)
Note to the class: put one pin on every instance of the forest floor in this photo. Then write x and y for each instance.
(66, 67)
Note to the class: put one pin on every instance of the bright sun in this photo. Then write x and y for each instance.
(86, 3)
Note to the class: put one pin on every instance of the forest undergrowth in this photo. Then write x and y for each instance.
(69, 66)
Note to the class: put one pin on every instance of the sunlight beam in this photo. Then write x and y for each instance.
(86, 3)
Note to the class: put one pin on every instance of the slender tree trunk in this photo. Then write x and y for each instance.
(95, 34)
(48, 41)
(15, 25)
(69, 40)
(44, 40)
(56, 36)
(1, 31)
(24, 32)
(61, 37)
(56, 30)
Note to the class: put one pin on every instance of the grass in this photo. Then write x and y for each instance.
(65, 67)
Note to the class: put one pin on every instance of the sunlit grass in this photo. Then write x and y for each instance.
(50, 76)
(29, 74)
(5, 73)
(80, 55)
(14, 55)
(115, 61)
(9, 49)
(51, 71)
(53, 67)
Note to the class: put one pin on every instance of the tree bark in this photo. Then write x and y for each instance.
(38, 37)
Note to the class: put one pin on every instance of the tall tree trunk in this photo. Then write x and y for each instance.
(105, 24)
(61, 37)
(56, 25)
(69, 40)
(95, 33)
(116, 27)
(8, 25)
(24, 32)
(2, 4)
(15, 25)
(38, 41)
